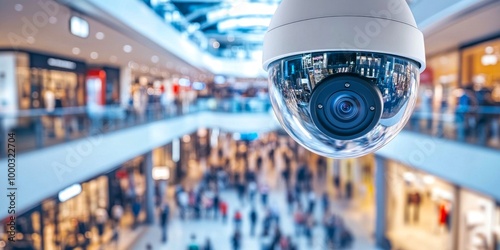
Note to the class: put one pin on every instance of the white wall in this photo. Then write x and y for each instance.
(8, 86)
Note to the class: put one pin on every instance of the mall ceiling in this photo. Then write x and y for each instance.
(230, 28)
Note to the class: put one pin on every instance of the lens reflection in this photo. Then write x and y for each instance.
(345, 107)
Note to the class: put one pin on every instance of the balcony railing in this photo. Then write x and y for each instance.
(40, 128)
(479, 125)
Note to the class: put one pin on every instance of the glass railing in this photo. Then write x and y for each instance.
(38, 128)
(479, 126)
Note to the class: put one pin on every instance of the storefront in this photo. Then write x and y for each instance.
(102, 86)
(481, 66)
(53, 82)
(479, 222)
(419, 209)
(68, 219)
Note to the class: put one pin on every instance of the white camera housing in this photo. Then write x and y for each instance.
(343, 74)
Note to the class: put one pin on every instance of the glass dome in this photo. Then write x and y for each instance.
(293, 80)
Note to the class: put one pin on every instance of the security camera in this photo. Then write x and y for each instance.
(343, 74)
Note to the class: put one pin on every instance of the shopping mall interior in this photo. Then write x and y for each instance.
(152, 124)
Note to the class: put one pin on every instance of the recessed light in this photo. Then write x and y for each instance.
(52, 19)
(155, 59)
(127, 48)
(18, 7)
(216, 45)
(99, 35)
(75, 51)
(94, 55)
(30, 40)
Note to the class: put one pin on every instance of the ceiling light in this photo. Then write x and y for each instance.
(488, 60)
(489, 50)
(75, 51)
(94, 55)
(244, 22)
(18, 7)
(99, 35)
(30, 40)
(155, 59)
(127, 48)
(409, 176)
(243, 9)
(230, 38)
(216, 45)
(52, 19)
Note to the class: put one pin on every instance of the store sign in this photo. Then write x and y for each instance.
(161, 173)
(69, 192)
(79, 27)
(61, 63)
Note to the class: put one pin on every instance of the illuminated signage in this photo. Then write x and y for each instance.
(61, 63)
(69, 192)
(79, 27)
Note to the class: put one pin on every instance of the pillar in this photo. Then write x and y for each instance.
(150, 188)
(455, 218)
(380, 199)
(125, 85)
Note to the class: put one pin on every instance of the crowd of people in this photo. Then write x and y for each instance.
(254, 213)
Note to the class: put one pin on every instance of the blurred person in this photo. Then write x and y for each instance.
(183, 202)
(164, 217)
(259, 163)
(101, 218)
(286, 171)
(236, 240)
(311, 201)
(325, 201)
(252, 191)
(322, 167)
(193, 245)
(216, 205)
(117, 213)
(264, 193)
(299, 219)
(308, 228)
(136, 210)
(241, 191)
(223, 209)
(253, 220)
(266, 223)
(276, 238)
(208, 245)
(346, 239)
(290, 199)
(237, 219)
(82, 229)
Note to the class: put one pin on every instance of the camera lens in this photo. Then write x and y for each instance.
(346, 111)
(345, 107)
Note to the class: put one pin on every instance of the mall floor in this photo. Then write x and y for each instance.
(359, 222)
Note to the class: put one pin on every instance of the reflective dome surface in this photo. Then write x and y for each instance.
(292, 81)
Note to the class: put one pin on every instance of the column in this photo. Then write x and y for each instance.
(380, 199)
(125, 84)
(455, 218)
(150, 188)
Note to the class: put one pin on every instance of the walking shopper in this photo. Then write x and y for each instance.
(164, 216)
(253, 221)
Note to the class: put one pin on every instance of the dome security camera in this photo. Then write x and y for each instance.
(343, 74)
